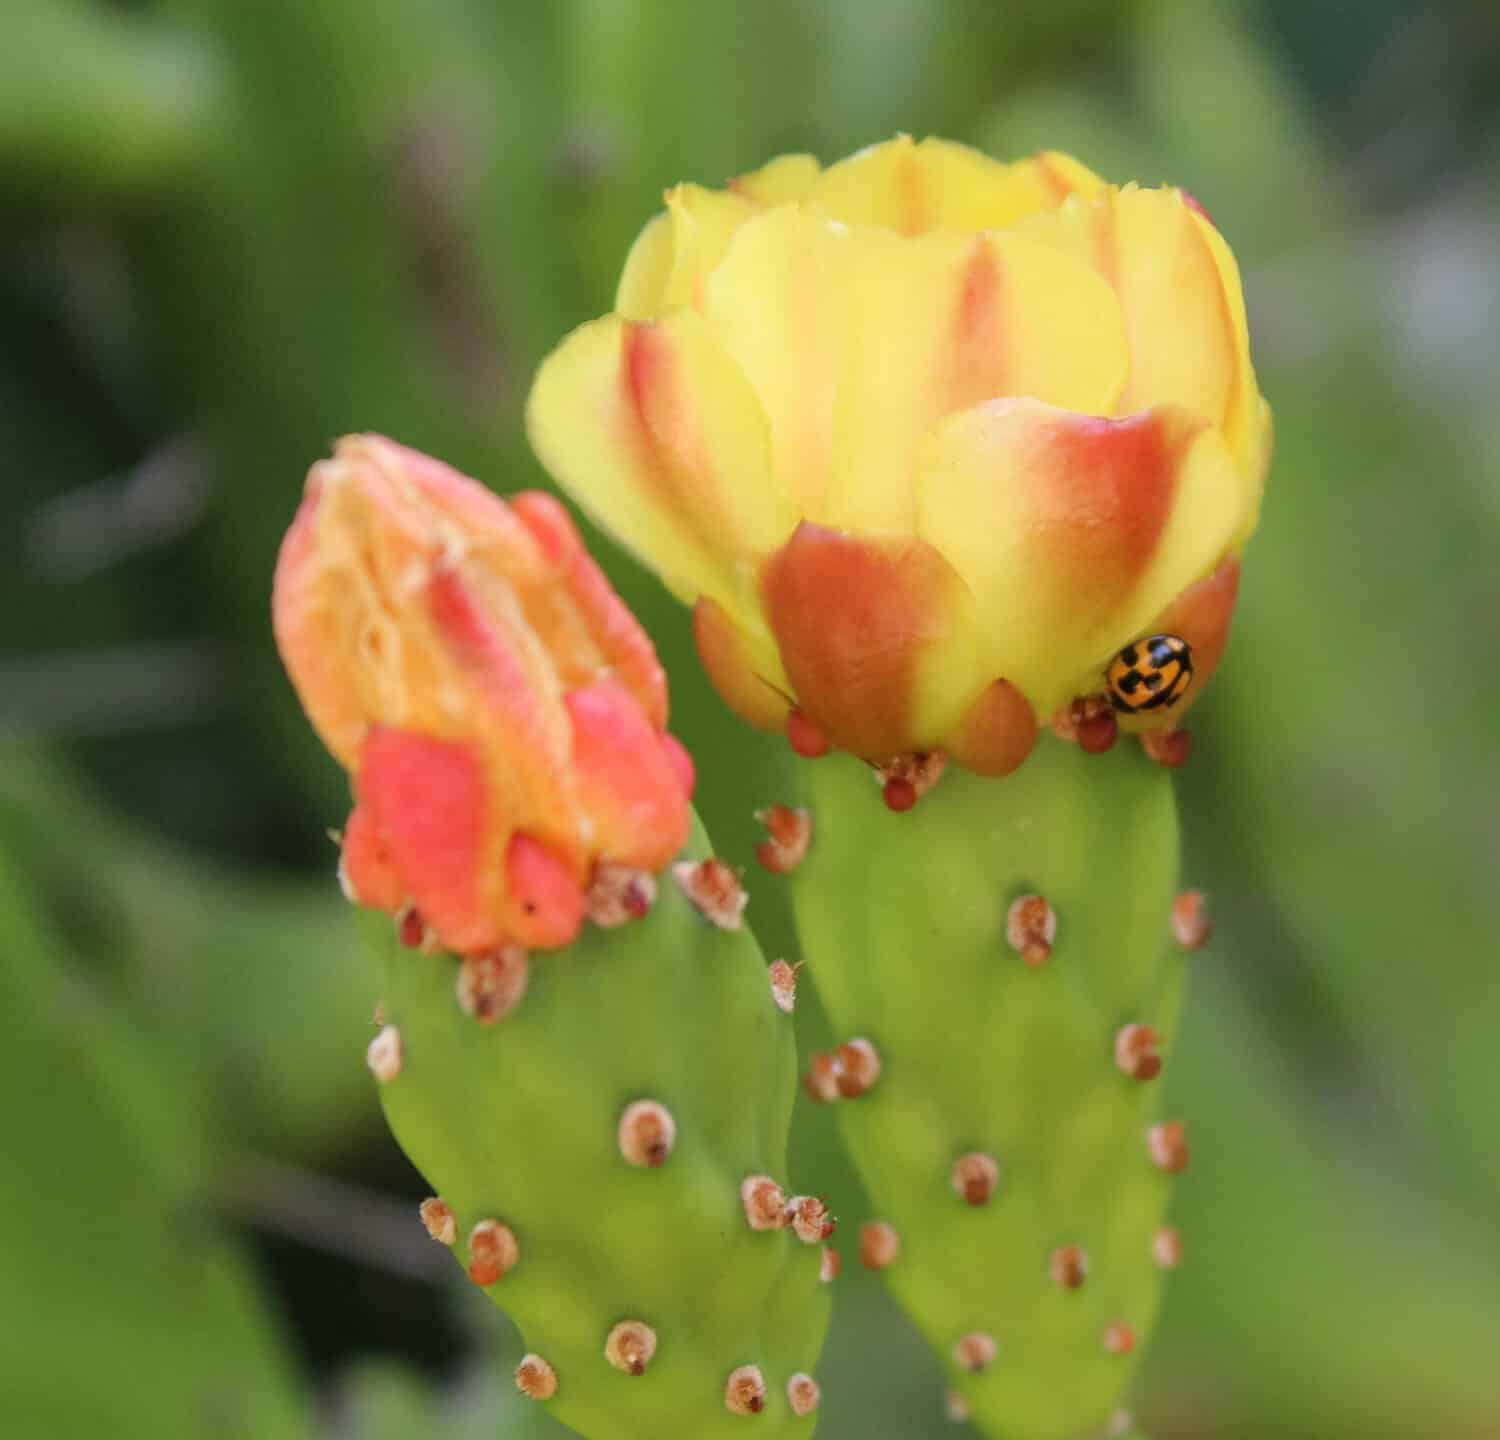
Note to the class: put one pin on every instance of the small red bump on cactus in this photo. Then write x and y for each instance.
(764, 1203)
(745, 1391)
(630, 1346)
(803, 1394)
(646, 1133)
(1031, 929)
(805, 737)
(618, 894)
(975, 1177)
(899, 794)
(1190, 923)
(822, 1078)
(714, 889)
(500, 710)
(1166, 1247)
(1119, 1338)
(857, 1067)
(879, 1244)
(437, 1216)
(493, 1251)
(975, 1351)
(535, 1378)
(385, 1054)
(783, 979)
(490, 986)
(411, 930)
(1167, 1145)
(1172, 748)
(809, 1218)
(828, 1270)
(789, 833)
(1069, 1267)
(1136, 1053)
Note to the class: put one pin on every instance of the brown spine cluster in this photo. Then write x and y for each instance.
(788, 835)
(490, 986)
(714, 889)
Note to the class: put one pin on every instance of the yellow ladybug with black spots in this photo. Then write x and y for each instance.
(1150, 675)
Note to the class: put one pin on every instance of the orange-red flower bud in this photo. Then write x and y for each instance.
(498, 708)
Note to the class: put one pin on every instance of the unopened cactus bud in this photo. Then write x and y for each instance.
(500, 711)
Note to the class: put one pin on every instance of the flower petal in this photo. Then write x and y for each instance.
(1073, 532)
(745, 670)
(937, 185)
(875, 631)
(627, 782)
(655, 432)
(1184, 310)
(426, 799)
(782, 181)
(776, 303)
(940, 323)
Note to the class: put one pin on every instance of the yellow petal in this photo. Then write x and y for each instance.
(648, 267)
(776, 303)
(936, 185)
(654, 431)
(1073, 532)
(784, 180)
(1247, 417)
(938, 324)
(1149, 245)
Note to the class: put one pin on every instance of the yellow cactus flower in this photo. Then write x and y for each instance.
(499, 709)
(925, 439)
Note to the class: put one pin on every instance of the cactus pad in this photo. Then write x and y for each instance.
(589, 1148)
(994, 946)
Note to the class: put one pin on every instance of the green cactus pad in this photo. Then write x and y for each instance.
(903, 919)
(517, 1122)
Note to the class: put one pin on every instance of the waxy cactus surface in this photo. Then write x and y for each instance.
(1009, 1140)
(520, 1122)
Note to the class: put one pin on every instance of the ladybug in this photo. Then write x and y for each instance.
(1150, 674)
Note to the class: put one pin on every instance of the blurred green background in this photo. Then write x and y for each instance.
(233, 230)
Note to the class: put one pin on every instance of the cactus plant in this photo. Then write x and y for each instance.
(946, 453)
(606, 1125)
(1006, 1141)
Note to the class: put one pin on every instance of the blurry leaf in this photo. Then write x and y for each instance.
(128, 1315)
(96, 100)
(253, 986)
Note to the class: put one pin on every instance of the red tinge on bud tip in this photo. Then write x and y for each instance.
(499, 708)
(805, 737)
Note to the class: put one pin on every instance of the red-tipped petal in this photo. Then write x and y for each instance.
(426, 798)
(746, 675)
(627, 781)
(997, 732)
(544, 904)
(681, 763)
(874, 636)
